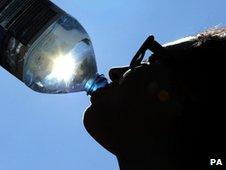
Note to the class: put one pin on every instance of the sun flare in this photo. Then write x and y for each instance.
(63, 68)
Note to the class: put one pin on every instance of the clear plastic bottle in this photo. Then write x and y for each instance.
(47, 48)
(62, 60)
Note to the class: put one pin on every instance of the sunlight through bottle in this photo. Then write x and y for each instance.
(47, 49)
(62, 60)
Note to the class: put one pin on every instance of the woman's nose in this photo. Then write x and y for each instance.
(116, 73)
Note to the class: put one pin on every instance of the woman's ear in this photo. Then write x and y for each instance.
(115, 74)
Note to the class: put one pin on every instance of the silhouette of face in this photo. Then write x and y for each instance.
(128, 112)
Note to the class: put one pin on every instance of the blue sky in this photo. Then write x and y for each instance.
(45, 132)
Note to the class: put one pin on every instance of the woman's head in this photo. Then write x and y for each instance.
(160, 108)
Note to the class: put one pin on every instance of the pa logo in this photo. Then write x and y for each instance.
(216, 162)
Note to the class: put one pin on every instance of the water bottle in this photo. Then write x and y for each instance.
(46, 48)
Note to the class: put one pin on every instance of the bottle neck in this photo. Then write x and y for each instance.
(99, 82)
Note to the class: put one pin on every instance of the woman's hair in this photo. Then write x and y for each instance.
(213, 34)
(198, 63)
(200, 58)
